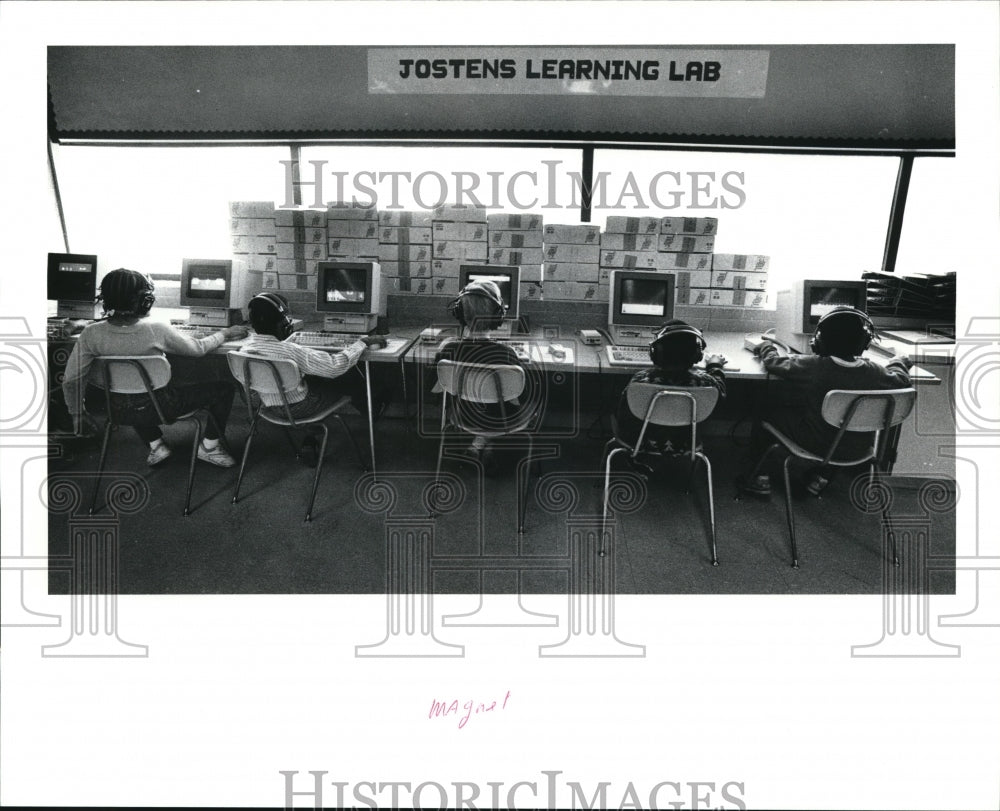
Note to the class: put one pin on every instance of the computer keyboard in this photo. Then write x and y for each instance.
(520, 349)
(323, 340)
(628, 355)
(194, 330)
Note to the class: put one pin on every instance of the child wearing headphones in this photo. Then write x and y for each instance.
(842, 335)
(674, 351)
(479, 308)
(322, 383)
(128, 296)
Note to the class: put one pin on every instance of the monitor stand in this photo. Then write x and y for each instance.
(631, 335)
(356, 323)
(77, 309)
(217, 317)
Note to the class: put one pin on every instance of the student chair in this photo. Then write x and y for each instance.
(870, 411)
(142, 374)
(672, 406)
(484, 384)
(267, 376)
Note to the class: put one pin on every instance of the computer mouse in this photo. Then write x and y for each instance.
(557, 351)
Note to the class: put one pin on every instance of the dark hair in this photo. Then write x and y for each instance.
(269, 314)
(127, 292)
(677, 346)
(480, 305)
(842, 335)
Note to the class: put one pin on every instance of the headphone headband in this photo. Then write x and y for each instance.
(657, 347)
(868, 328)
(280, 305)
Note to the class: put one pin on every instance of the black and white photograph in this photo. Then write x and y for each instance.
(381, 375)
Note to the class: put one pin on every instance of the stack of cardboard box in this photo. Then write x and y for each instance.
(630, 243)
(404, 250)
(458, 235)
(686, 245)
(572, 263)
(254, 240)
(739, 280)
(301, 243)
(517, 239)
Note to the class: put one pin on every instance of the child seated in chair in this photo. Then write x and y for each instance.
(674, 351)
(841, 336)
(479, 308)
(127, 296)
(323, 381)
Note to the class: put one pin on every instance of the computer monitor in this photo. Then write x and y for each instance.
(799, 309)
(639, 301)
(508, 279)
(349, 295)
(215, 291)
(72, 283)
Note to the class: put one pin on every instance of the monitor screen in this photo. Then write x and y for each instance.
(344, 284)
(207, 283)
(644, 297)
(820, 297)
(641, 298)
(347, 287)
(72, 277)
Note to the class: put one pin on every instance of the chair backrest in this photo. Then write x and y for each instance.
(869, 410)
(263, 375)
(481, 382)
(131, 374)
(671, 405)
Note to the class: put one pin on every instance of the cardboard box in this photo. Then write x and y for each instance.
(683, 243)
(355, 229)
(460, 213)
(692, 278)
(515, 256)
(297, 233)
(305, 217)
(251, 227)
(408, 270)
(531, 291)
(693, 296)
(444, 286)
(632, 225)
(351, 211)
(531, 273)
(454, 249)
(254, 245)
(739, 280)
(404, 235)
(459, 231)
(258, 262)
(639, 260)
(515, 239)
(628, 242)
(405, 219)
(705, 226)
(295, 281)
(686, 261)
(263, 208)
(412, 286)
(446, 267)
(741, 261)
(572, 234)
(571, 272)
(347, 246)
(286, 266)
(269, 280)
(587, 254)
(739, 298)
(514, 222)
(403, 253)
(300, 250)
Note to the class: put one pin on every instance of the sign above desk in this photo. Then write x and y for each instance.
(694, 73)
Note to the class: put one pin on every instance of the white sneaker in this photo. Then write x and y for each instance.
(218, 456)
(158, 455)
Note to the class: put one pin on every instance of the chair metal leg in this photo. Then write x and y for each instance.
(711, 505)
(437, 470)
(246, 455)
(522, 493)
(354, 442)
(319, 467)
(198, 431)
(607, 487)
(886, 519)
(100, 465)
(788, 512)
